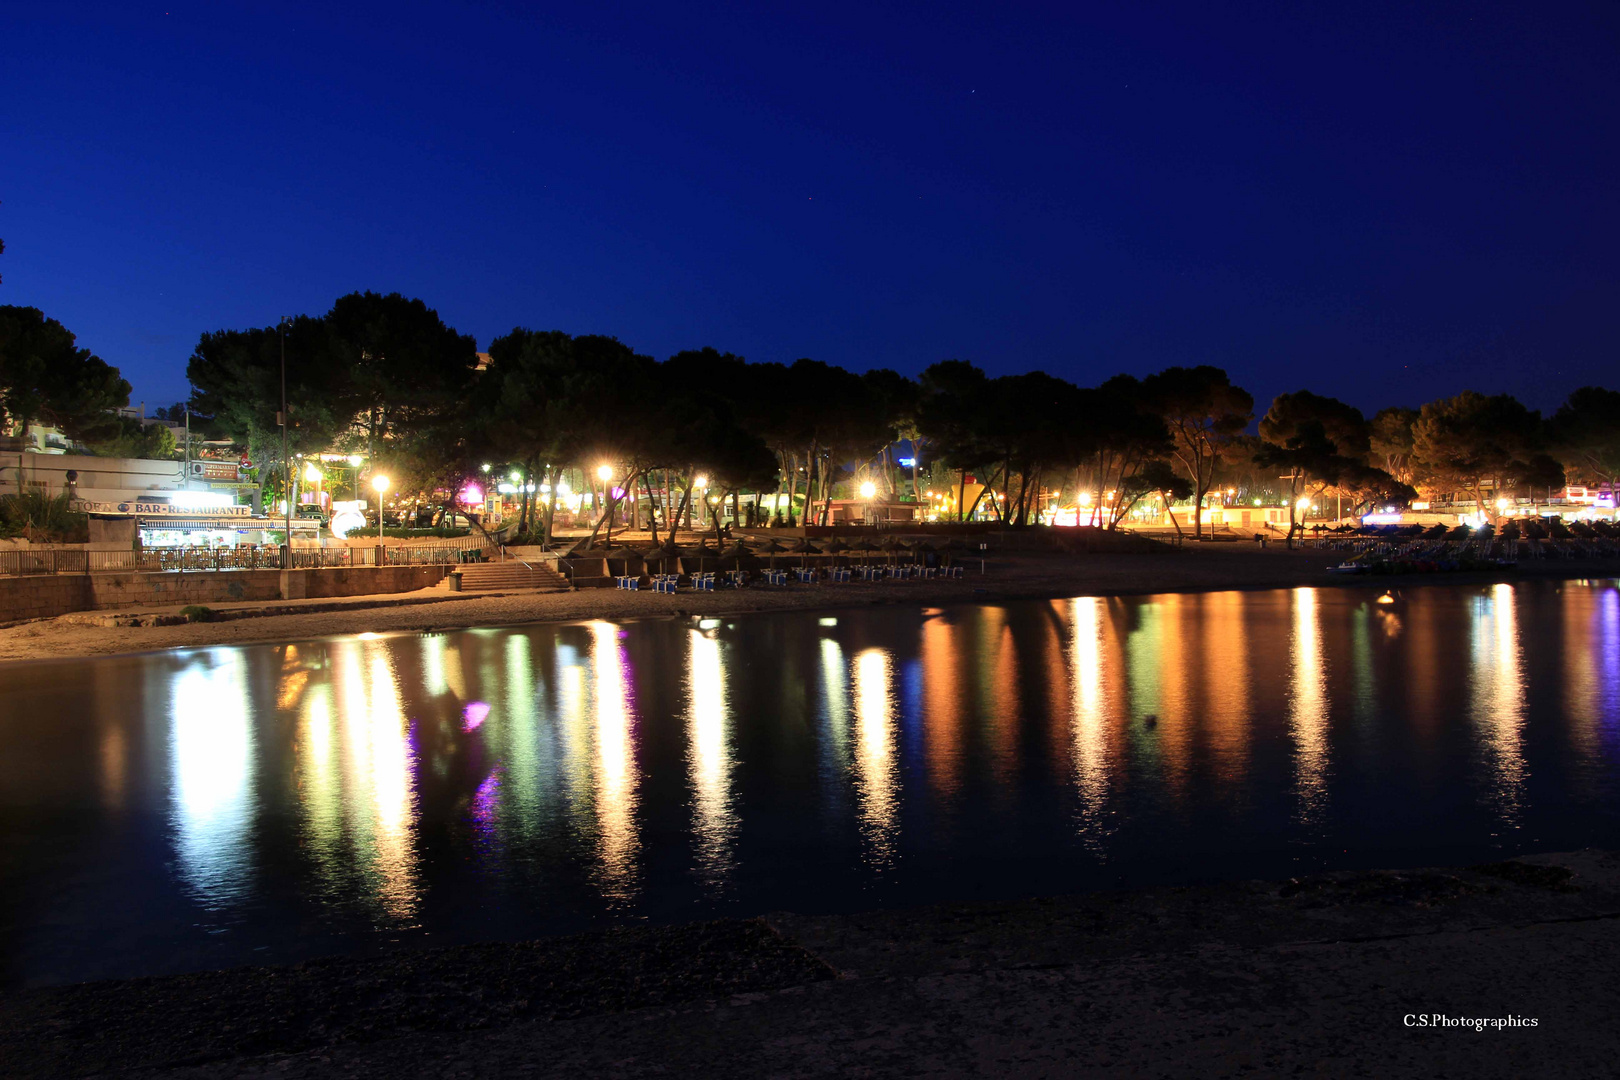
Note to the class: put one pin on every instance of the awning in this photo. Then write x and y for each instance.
(167, 521)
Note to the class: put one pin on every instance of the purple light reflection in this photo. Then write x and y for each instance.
(484, 802)
(474, 715)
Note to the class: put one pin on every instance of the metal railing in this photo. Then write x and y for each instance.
(19, 561)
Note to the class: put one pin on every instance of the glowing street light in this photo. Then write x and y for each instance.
(868, 490)
(312, 474)
(604, 472)
(701, 481)
(380, 482)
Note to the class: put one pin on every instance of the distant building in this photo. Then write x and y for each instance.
(160, 503)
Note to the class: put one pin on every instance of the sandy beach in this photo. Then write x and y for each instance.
(1322, 975)
(1005, 577)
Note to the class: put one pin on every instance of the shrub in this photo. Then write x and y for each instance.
(42, 518)
(197, 613)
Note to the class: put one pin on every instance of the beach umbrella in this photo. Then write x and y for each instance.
(735, 553)
(772, 548)
(892, 545)
(804, 548)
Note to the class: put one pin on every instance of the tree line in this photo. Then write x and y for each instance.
(383, 374)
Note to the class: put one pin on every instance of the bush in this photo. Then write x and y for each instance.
(42, 519)
(197, 613)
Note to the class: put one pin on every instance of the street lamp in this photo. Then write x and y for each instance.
(604, 472)
(286, 459)
(868, 489)
(380, 482)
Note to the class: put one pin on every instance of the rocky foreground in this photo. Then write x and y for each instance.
(1510, 969)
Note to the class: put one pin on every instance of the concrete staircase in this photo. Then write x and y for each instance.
(506, 577)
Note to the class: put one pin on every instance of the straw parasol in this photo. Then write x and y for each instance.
(773, 549)
(892, 545)
(735, 553)
(804, 548)
(865, 547)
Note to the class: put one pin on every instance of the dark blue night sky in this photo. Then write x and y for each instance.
(1386, 203)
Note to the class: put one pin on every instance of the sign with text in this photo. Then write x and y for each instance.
(159, 509)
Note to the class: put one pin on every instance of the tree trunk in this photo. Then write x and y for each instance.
(652, 522)
(553, 473)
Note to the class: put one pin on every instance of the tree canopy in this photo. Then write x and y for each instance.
(46, 377)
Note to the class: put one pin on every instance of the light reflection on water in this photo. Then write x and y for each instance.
(511, 782)
(212, 750)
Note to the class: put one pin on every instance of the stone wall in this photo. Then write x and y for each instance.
(121, 590)
(43, 596)
(364, 580)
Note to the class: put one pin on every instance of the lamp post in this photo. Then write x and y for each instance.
(380, 482)
(286, 458)
(868, 489)
(604, 473)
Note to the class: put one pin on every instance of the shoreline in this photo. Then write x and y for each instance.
(1264, 976)
(1008, 577)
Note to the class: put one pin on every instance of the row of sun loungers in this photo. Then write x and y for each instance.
(708, 581)
(1482, 548)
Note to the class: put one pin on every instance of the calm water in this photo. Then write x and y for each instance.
(230, 805)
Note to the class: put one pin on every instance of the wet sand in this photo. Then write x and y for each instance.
(1323, 976)
(1005, 577)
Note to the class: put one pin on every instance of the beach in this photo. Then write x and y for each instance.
(1004, 576)
(1389, 973)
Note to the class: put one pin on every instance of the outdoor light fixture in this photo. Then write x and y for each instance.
(604, 472)
(517, 477)
(380, 482)
(1503, 504)
(868, 490)
(355, 460)
(701, 481)
(312, 474)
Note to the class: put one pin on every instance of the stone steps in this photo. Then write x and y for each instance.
(507, 577)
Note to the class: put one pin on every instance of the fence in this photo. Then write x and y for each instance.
(18, 562)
